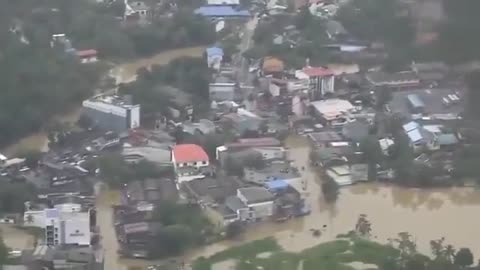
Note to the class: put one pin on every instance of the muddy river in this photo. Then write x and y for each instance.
(426, 214)
(123, 73)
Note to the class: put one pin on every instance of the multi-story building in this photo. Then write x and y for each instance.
(112, 113)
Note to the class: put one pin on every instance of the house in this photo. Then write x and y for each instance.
(221, 12)
(356, 131)
(394, 80)
(324, 138)
(137, 11)
(87, 56)
(259, 201)
(340, 174)
(343, 69)
(112, 113)
(321, 80)
(211, 191)
(333, 111)
(222, 89)
(242, 122)
(274, 171)
(157, 155)
(420, 137)
(189, 161)
(202, 127)
(214, 57)
(63, 257)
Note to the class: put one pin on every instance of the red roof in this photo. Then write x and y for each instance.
(87, 53)
(317, 71)
(189, 153)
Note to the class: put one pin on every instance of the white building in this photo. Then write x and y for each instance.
(259, 201)
(112, 113)
(189, 162)
(332, 110)
(321, 80)
(223, 2)
(64, 224)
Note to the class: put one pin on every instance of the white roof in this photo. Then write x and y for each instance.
(385, 143)
(332, 108)
(415, 135)
(410, 126)
(2, 157)
(434, 128)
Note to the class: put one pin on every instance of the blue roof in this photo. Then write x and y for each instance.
(221, 11)
(277, 184)
(214, 51)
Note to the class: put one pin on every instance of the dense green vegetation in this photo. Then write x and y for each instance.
(181, 226)
(184, 81)
(38, 81)
(13, 196)
(401, 254)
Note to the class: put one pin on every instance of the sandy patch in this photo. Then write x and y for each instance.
(362, 266)
(225, 265)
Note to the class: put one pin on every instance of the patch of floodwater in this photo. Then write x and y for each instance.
(264, 255)
(300, 265)
(15, 238)
(427, 214)
(362, 266)
(225, 265)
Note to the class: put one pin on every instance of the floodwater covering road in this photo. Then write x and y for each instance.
(123, 73)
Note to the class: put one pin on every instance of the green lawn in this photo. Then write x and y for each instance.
(326, 256)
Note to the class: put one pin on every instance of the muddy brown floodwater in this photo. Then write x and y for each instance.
(426, 214)
(123, 73)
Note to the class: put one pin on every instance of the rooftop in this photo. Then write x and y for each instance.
(392, 79)
(214, 51)
(184, 153)
(213, 189)
(86, 53)
(124, 101)
(255, 142)
(221, 11)
(332, 108)
(317, 71)
(256, 194)
(320, 138)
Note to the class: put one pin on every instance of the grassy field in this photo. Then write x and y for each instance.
(335, 255)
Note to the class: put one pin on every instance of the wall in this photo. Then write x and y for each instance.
(37, 218)
(77, 230)
(262, 210)
(221, 91)
(135, 117)
(269, 153)
(107, 121)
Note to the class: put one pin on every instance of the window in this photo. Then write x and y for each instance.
(185, 164)
(204, 162)
(194, 163)
(56, 229)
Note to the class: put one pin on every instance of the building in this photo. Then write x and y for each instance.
(63, 257)
(275, 171)
(334, 111)
(112, 113)
(87, 56)
(259, 201)
(393, 80)
(157, 155)
(432, 71)
(222, 89)
(189, 161)
(214, 57)
(322, 80)
(420, 137)
(67, 227)
(221, 12)
(223, 2)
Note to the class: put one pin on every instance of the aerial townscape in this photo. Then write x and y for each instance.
(239, 135)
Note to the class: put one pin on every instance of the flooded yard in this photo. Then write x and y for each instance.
(16, 239)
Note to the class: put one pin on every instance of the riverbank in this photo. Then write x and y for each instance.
(123, 73)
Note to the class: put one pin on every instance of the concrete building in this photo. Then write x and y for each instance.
(189, 161)
(321, 80)
(334, 111)
(64, 224)
(214, 57)
(112, 113)
(403, 79)
(259, 201)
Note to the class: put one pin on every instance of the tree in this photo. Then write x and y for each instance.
(32, 157)
(330, 190)
(372, 154)
(463, 257)
(3, 252)
(363, 226)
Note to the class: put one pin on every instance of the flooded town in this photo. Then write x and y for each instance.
(239, 135)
